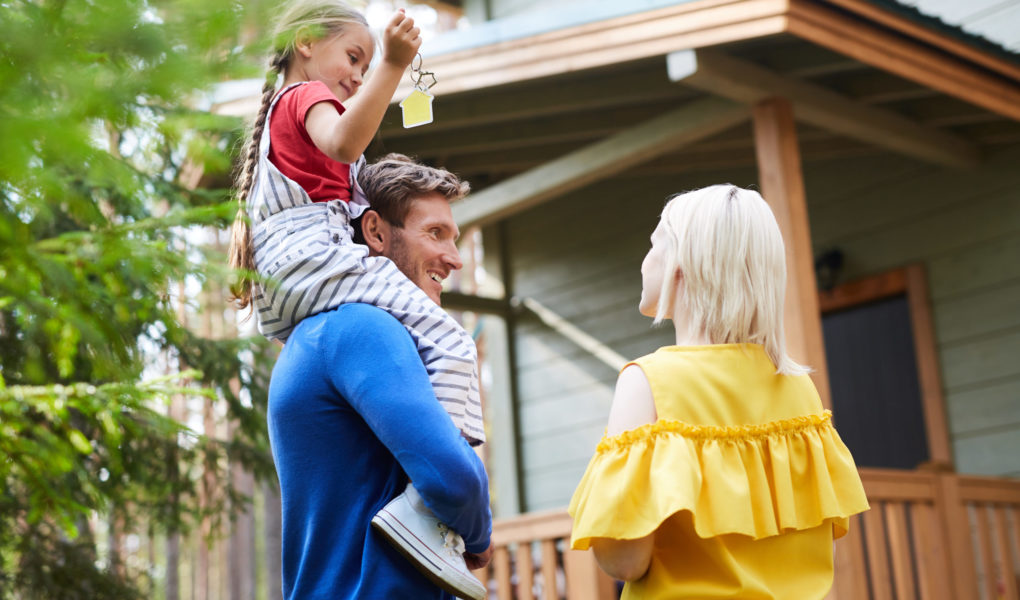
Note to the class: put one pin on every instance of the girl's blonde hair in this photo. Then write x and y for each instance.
(316, 19)
(726, 245)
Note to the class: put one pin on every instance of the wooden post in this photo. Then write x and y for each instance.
(851, 577)
(585, 580)
(782, 185)
(956, 529)
(939, 451)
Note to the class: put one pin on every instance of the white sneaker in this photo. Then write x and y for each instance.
(435, 549)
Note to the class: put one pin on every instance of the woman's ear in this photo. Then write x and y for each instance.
(376, 232)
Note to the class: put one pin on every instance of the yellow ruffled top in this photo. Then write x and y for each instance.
(736, 449)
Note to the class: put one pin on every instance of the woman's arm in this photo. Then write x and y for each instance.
(625, 560)
(633, 406)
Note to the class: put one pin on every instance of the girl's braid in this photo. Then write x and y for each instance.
(242, 255)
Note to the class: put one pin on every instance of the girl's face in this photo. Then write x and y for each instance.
(340, 61)
(652, 273)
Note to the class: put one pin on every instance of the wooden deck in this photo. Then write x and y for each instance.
(929, 535)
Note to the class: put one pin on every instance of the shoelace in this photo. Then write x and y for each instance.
(452, 541)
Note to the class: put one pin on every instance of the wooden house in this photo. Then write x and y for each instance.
(887, 142)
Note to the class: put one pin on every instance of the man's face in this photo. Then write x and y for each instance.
(425, 248)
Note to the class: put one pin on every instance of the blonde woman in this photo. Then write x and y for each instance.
(720, 475)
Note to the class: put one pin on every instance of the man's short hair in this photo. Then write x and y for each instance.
(394, 180)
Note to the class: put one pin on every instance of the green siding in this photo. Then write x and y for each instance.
(964, 226)
(580, 256)
(984, 265)
(985, 408)
(984, 311)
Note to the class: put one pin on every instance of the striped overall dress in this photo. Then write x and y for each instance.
(307, 263)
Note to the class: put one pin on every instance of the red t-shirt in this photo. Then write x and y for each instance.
(294, 153)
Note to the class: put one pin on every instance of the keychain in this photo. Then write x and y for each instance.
(417, 107)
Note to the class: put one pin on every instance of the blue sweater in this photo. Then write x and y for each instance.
(352, 415)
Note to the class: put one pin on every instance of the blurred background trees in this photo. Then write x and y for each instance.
(117, 348)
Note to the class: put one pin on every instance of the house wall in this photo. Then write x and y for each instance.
(964, 226)
(580, 256)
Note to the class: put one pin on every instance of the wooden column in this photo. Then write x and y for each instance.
(940, 452)
(782, 185)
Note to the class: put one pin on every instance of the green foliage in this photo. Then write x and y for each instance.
(96, 236)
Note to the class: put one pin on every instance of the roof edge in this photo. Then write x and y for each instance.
(911, 21)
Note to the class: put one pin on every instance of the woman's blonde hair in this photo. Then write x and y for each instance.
(725, 243)
(310, 19)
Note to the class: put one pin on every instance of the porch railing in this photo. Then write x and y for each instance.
(929, 535)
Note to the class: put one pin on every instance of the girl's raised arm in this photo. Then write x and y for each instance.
(345, 137)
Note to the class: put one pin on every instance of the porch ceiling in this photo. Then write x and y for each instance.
(495, 132)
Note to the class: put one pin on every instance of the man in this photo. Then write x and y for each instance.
(352, 414)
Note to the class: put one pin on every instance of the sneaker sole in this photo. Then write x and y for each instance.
(430, 565)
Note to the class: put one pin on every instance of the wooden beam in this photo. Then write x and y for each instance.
(503, 161)
(782, 186)
(905, 25)
(479, 304)
(878, 87)
(530, 100)
(580, 128)
(689, 123)
(720, 152)
(607, 42)
(743, 81)
(583, 339)
(955, 521)
(794, 57)
(868, 289)
(944, 67)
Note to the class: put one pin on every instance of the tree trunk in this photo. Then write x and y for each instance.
(242, 539)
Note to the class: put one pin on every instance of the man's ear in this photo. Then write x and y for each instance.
(376, 232)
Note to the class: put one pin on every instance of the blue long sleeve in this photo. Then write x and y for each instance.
(352, 416)
(378, 372)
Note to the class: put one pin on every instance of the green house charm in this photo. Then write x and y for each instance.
(417, 108)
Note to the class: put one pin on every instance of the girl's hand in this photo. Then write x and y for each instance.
(400, 40)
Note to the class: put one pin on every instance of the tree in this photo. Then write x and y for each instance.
(96, 235)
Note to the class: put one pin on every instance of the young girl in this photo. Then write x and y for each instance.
(298, 192)
(720, 475)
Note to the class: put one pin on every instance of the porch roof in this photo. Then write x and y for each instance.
(965, 22)
(862, 79)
